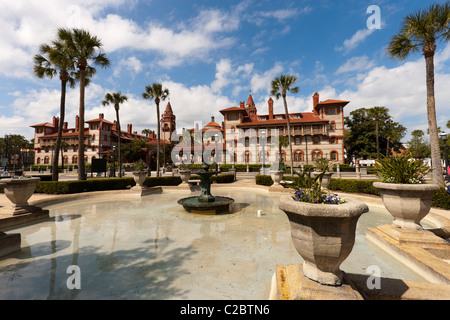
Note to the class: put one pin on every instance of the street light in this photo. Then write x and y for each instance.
(114, 161)
(444, 139)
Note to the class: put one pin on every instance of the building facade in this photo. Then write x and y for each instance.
(100, 137)
(316, 134)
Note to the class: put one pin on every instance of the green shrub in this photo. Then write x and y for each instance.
(223, 178)
(69, 187)
(354, 186)
(441, 199)
(263, 180)
(162, 181)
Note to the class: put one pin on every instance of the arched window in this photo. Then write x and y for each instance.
(46, 160)
(75, 160)
(316, 140)
(38, 161)
(334, 156)
(66, 160)
(316, 154)
(298, 156)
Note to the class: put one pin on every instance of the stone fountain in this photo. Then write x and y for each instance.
(206, 203)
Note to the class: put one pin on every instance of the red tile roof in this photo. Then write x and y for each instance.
(232, 109)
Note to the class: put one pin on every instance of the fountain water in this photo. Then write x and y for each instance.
(206, 203)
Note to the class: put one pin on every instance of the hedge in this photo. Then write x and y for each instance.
(68, 187)
(162, 181)
(441, 199)
(221, 178)
(263, 180)
(354, 186)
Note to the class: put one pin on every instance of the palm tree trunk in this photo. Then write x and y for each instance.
(289, 133)
(81, 165)
(432, 124)
(60, 129)
(159, 137)
(118, 142)
(377, 137)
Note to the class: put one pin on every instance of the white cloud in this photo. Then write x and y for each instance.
(263, 81)
(132, 65)
(355, 40)
(356, 64)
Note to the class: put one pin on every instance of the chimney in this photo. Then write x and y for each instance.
(315, 99)
(55, 123)
(242, 105)
(65, 125)
(114, 127)
(77, 123)
(101, 116)
(270, 109)
(212, 118)
(315, 103)
(129, 128)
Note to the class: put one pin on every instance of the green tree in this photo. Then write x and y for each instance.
(418, 147)
(361, 141)
(116, 99)
(86, 51)
(147, 132)
(421, 32)
(279, 88)
(157, 93)
(377, 113)
(54, 59)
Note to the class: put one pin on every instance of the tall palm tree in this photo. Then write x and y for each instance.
(116, 99)
(84, 48)
(280, 87)
(422, 31)
(54, 59)
(147, 132)
(157, 93)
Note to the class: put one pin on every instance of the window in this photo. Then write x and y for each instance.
(316, 140)
(332, 111)
(316, 154)
(332, 125)
(333, 140)
(74, 159)
(232, 117)
(298, 156)
(298, 141)
(46, 160)
(38, 161)
(247, 141)
(334, 156)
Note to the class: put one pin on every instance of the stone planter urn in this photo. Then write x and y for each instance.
(324, 235)
(185, 175)
(326, 179)
(277, 177)
(139, 177)
(18, 191)
(407, 203)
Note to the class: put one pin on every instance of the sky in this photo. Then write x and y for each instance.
(211, 54)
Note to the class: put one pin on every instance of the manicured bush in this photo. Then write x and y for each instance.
(223, 178)
(162, 181)
(441, 199)
(354, 186)
(263, 180)
(69, 187)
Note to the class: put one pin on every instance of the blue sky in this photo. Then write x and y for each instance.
(210, 54)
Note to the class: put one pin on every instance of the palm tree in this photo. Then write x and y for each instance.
(52, 59)
(280, 87)
(147, 132)
(421, 31)
(157, 93)
(84, 48)
(116, 99)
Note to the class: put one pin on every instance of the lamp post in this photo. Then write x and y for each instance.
(444, 140)
(263, 140)
(114, 161)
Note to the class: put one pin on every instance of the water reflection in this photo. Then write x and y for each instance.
(153, 249)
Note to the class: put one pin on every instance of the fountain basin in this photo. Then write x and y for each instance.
(218, 206)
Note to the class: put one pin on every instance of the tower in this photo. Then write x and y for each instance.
(168, 124)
